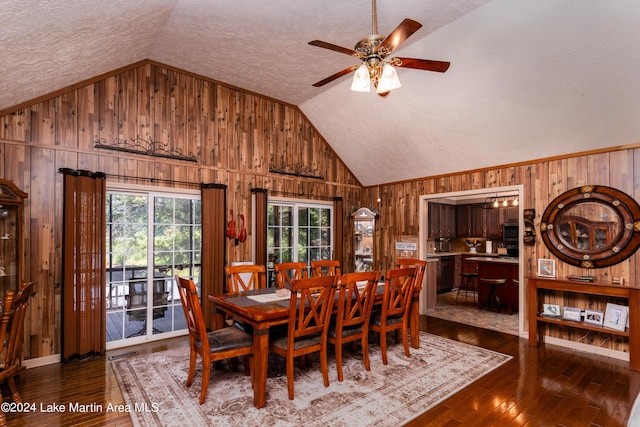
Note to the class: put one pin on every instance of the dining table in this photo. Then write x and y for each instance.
(263, 309)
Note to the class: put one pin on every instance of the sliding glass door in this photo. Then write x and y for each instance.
(151, 237)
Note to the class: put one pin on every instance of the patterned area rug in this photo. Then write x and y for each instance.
(466, 312)
(385, 396)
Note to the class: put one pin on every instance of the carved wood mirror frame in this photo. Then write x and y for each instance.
(610, 250)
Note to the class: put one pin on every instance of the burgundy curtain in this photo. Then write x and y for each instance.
(214, 208)
(338, 231)
(83, 263)
(260, 237)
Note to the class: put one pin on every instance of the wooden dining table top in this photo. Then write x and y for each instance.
(246, 303)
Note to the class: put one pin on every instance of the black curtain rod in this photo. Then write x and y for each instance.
(166, 181)
(309, 196)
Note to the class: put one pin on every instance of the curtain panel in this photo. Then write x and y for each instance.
(260, 228)
(83, 264)
(214, 208)
(338, 230)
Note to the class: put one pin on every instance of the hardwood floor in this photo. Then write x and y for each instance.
(546, 386)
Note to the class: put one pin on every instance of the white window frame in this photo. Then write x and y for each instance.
(151, 192)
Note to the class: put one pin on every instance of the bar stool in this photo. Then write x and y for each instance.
(493, 300)
(467, 285)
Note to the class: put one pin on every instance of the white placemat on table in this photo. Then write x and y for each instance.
(267, 297)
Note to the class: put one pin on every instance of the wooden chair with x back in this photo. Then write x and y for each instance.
(245, 277)
(288, 272)
(310, 308)
(356, 294)
(394, 315)
(325, 267)
(217, 345)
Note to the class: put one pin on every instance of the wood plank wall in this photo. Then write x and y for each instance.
(236, 136)
(543, 180)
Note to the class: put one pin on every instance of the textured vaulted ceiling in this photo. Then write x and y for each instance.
(528, 78)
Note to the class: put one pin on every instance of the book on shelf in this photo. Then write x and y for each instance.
(577, 278)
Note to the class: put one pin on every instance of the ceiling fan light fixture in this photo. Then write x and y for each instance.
(361, 80)
(388, 80)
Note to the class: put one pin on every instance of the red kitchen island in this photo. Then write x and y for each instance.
(498, 268)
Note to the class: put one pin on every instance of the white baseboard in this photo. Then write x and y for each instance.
(587, 348)
(41, 361)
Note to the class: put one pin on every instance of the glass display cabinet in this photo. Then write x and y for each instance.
(364, 226)
(11, 242)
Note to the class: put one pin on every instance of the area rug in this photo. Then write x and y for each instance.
(153, 387)
(464, 311)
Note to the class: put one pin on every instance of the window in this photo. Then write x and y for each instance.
(151, 237)
(298, 231)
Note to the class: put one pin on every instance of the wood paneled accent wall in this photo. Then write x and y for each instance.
(236, 136)
(543, 180)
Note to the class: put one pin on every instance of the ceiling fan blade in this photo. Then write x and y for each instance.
(335, 76)
(334, 47)
(421, 64)
(400, 34)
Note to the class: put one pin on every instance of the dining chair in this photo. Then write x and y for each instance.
(325, 267)
(419, 264)
(288, 272)
(245, 277)
(220, 344)
(394, 315)
(14, 309)
(356, 293)
(310, 307)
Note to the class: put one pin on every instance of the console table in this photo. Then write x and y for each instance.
(537, 322)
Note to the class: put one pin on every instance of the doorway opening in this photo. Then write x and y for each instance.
(430, 298)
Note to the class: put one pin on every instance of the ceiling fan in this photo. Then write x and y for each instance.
(373, 51)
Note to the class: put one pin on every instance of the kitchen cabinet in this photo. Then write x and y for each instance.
(509, 214)
(457, 270)
(442, 220)
(469, 266)
(477, 220)
(474, 220)
(492, 224)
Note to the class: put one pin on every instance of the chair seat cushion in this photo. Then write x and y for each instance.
(390, 320)
(228, 338)
(283, 342)
(347, 331)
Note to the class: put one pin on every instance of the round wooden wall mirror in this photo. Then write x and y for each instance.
(592, 226)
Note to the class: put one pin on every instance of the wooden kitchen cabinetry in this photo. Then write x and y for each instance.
(470, 220)
(442, 220)
(11, 242)
(492, 224)
(595, 291)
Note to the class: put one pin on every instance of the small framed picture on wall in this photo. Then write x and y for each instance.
(546, 267)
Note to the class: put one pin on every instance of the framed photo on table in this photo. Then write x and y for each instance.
(593, 317)
(546, 267)
(572, 313)
(615, 316)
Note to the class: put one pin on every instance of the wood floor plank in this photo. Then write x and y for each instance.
(545, 386)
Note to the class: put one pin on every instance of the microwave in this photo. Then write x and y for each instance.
(510, 232)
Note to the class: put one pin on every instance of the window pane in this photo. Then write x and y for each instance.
(163, 210)
(303, 217)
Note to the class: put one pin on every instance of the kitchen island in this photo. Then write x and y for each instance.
(498, 268)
